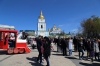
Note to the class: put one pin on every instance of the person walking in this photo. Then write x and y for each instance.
(81, 48)
(75, 43)
(88, 48)
(47, 50)
(58, 44)
(63, 43)
(39, 44)
(70, 43)
(96, 49)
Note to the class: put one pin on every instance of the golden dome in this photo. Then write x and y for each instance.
(54, 26)
(41, 16)
(58, 28)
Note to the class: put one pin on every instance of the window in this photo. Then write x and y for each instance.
(41, 26)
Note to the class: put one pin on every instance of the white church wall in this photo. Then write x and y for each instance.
(41, 20)
(47, 34)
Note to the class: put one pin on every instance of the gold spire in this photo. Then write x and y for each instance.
(41, 15)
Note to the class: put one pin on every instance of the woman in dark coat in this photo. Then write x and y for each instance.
(47, 49)
(90, 49)
(81, 48)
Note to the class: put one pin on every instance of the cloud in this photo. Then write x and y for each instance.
(61, 25)
(74, 30)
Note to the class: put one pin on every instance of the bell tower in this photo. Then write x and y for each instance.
(41, 22)
(41, 26)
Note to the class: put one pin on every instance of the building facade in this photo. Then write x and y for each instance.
(29, 32)
(41, 26)
(54, 30)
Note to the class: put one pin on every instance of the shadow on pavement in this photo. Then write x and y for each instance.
(3, 52)
(58, 54)
(77, 62)
(93, 64)
(83, 56)
(69, 57)
(33, 61)
(54, 51)
(76, 55)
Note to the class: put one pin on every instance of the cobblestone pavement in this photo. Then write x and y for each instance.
(56, 59)
(75, 59)
(29, 59)
(77, 62)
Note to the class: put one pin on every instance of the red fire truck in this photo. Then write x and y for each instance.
(10, 42)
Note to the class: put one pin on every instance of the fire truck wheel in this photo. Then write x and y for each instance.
(21, 50)
(15, 50)
(10, 50)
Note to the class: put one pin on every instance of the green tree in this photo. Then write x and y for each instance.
(91, 26)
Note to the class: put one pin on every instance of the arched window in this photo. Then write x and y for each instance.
(41, 26)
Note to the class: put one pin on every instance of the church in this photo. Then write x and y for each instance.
(41, 26)
(54, 30)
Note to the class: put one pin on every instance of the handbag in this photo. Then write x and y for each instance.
(42, 49)
(91, 53)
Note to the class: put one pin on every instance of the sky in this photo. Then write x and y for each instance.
(66, 14)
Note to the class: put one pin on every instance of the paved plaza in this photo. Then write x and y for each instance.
(56, 59)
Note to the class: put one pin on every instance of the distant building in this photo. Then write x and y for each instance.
(54, 30)
(29, 32)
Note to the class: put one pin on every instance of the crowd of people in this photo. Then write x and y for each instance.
(90, 45)
(81, 45)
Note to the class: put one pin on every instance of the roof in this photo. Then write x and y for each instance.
(6, 26)
(3, 30)
(41, 15)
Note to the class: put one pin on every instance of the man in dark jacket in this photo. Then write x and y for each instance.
(90, 48)
(47, 48)
(64, 45)
(39, 44)
(75, 43)
(81, 48)
(58, 43)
